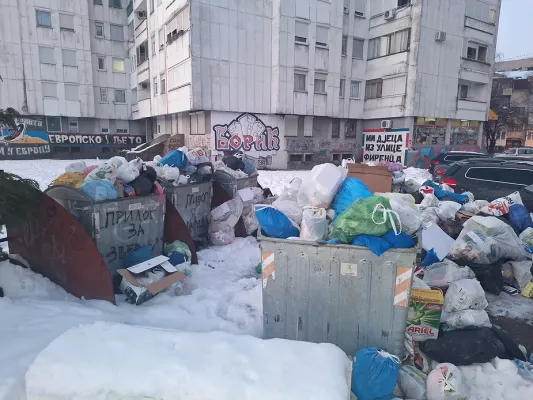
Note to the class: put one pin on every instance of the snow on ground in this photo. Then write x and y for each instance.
(163, 364)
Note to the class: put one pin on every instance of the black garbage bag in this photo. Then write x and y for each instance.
(233, 162)
(149, 173)
(465, 347)
(512, 348)
(489, 275)
(142, 186)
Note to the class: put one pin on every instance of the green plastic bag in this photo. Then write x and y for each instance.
(370, 216)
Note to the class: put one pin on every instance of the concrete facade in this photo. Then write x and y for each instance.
(67, 62)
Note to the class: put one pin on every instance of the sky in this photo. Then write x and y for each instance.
(515, 36)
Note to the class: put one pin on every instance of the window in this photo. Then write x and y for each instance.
(341, 89)
(46, 55)
(49, 89)
(403, 3)
(320, 83)
(69, 58)
(66, 21)
(463, 92)
(308, 157)
(336, 128)
(103, 95)
(121, 130)
(355, 89)
(99, 2)
(163, 84)
(492, 16)
(360, 6)
(142, 52)
(118, 65)
(101, 63)
(322, 36)
(296, 157)
(344, 47)
(115, 4)
(105, 130)
(482, 53)
(507, 175)
(158, 129)
(117, 33)
(153, 45)
(44, 18)
(299, 81)
(358, 45)
(374, 89)
(72, 93)
(471, 53)
(73, 126)
(99, 29)
(301, 32)
(155, 86)
(476, 52)
(161, 39)
(396, 42)
(120, 96)
(53, 124)
(351, 128)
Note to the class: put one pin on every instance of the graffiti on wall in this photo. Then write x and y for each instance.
(201, 141)
(421, 158)
(28, 140)
(429, 135)
(304, 145)
(247, 133)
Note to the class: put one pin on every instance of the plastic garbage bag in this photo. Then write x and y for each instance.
(174, 158)
(430, 258)
(74, 179)
(439, 193)
(76, 166)
(350, 190)
(370, 216)
(465, 294)
(522, 275)
(314, 224)
(117, 161)
(170, 174)
(527, 237)
(501, 205)
(519, 218)
(137, 163)
(169, 250)
(251, 224)
(233, 162)
(249, 166)
(223, 236)
(412, 382)
(142, 186)
(446, 210)
(379, 245)
(446, 382)
(321, 185)
(466, 318)
(274, 223)
(126, 172)
(428, 217)
(452, 228)
(374, 374)
(447, 188)
(157, 159)
(290, 208)
(443, 274)
(484, 240)
(197, 156)
(227, 213)
(103, 172)
(489, 275)
(407, 212)
(475, 206)
(100, 190)
(250, 196)
(430, 200)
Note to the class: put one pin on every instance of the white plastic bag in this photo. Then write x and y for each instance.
(408, 213)
(227, 213)
(446, 382)
(251, 224)
(429, 217)
(290, 208)
(223, 236)
(484, 240)
(321, 185)
(501, 206)
(412, 382)
(527, 237)
(430, 200)
(137, 163)
(475, 206)
(447, 188)
(157, 158)
(466, 318)
(103, 172)
(169, 173)
(197, 156)
(76, 166)
(466, 294)
(446, 210)
(127, 172)
(314, 224)
(521, 272)
(250, 196)
(117, 161)
(443, 274)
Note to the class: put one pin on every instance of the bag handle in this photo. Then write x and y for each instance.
(394, 358)
(387, 214)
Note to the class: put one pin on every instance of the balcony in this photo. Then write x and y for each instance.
(142, 109)
(471, 110)
(475, 71)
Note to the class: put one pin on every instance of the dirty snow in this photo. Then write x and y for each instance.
(164, 364)
(505, 305)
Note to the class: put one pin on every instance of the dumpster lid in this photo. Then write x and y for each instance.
(68, 193)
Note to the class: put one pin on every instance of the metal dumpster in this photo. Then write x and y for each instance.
(116, 226)
(340, 294)
(193, 202)
(232, 185)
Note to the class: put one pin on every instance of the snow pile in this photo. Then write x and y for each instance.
(418, 175)
(497, 380)
(126, 362)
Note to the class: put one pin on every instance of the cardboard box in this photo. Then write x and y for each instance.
(425, 309)
(135, 292)
(377, 179)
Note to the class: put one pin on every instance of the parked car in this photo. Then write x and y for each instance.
(517, 152)
(441, 163)
(492, 178)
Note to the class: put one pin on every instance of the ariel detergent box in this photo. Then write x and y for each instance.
(425, 309)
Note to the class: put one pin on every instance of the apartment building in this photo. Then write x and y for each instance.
(293, 83)
(64, 65)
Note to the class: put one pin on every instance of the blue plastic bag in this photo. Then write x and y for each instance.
(519, 218)
(379, 245)
(374, 374)
(138, 256)
(100, 190)
(439, 193)
(175, 158)
(401, 241)
(274, 223)
(351, 190)
(430, 258)
(249, 167)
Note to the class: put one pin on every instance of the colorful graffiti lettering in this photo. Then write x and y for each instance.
(421, 158)
(248, 133)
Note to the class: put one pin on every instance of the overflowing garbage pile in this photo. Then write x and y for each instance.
(118, 178)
